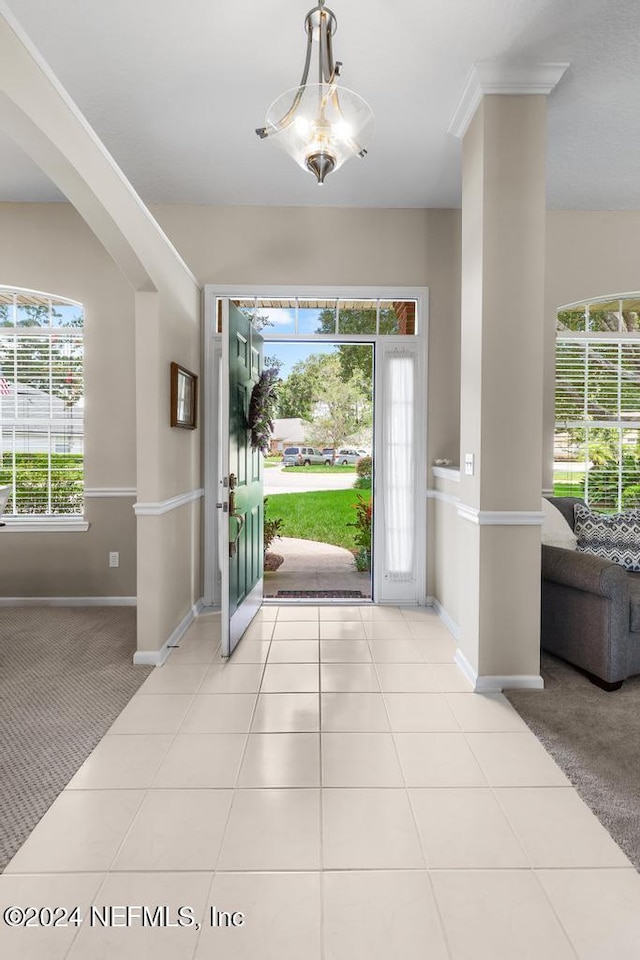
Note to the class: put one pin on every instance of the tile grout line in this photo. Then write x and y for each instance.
(441, 924)
(321, 811)
(234, 789)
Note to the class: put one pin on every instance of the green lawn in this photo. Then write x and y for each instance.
(568, 490)
(318, 515)
(323, 468)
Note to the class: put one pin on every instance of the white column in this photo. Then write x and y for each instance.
(502, 121)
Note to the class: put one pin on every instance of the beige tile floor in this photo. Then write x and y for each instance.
(337, 783)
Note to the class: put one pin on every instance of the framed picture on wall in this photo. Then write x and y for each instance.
(184, 398)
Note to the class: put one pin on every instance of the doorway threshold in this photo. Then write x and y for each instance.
(321, 594)
(311, 597)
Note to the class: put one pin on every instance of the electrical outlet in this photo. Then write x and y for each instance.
(469, 464)
(114, 558)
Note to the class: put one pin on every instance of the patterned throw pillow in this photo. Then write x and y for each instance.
(615, 536)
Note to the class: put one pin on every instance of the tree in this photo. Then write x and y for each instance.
(339, 408)
(342, 411)
(300, 391)
(355, 356)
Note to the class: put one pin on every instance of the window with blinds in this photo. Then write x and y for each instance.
(597, 409)
(41, 404)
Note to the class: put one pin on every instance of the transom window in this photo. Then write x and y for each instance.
(298, 316)
(597, 429)
(41, 403)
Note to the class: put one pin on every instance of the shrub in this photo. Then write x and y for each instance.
(32, 480)
(272, 528)
(362, 483)
(362, 524)
(363, 560)
(364, 470)
(603, 479)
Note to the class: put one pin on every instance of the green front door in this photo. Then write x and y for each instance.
(241, 482)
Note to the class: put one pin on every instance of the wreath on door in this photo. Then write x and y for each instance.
(262, 409)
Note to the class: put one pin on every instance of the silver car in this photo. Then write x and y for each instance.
(302, 457)
(348, 455)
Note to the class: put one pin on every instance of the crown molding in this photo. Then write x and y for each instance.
(503, 78)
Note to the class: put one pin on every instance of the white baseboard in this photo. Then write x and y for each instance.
(509, 682)
(68, 601)
(495, 684)
(465, 666)
(448, 621)
(156, 658)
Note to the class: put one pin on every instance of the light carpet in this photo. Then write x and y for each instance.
(65, 675)
(595, 738)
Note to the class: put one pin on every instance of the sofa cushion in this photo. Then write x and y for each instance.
(556, 531)
(634, 602)
(615, 537)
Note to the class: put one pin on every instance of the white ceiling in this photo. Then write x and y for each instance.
(176, 89)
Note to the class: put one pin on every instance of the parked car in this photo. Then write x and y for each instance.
(348, 455)
(328, 453)
(302, 456)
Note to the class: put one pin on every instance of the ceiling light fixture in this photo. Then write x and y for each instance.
(319, 124)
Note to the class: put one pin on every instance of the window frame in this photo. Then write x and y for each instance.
(48, 425)
(590, 336)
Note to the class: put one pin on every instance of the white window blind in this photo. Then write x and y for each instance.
(597, 430)
(41, 403)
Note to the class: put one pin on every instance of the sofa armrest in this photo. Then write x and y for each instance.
(584, 571)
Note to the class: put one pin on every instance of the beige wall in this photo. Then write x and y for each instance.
(169, 465)
(165, 588)
(343, 247)
(48, 247)
(444, 534)
(74, 564)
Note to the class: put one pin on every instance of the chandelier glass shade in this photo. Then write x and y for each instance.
(320, 125)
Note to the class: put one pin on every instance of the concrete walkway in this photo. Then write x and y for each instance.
(281, 480)
(309, 565)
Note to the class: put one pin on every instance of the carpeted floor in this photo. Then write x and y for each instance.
(65, 675)
(595, 738)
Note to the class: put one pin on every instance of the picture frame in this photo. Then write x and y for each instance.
(184, 397)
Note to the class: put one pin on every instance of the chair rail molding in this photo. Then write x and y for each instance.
(447, 473)
(165, 506)
(442, 496)
(501, 518)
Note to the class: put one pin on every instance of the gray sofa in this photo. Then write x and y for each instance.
(590, 610)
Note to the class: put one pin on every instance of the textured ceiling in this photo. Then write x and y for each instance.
(175, 90)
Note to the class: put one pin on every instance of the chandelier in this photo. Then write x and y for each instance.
(320, 125)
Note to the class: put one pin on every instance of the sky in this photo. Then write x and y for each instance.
(291, 353)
